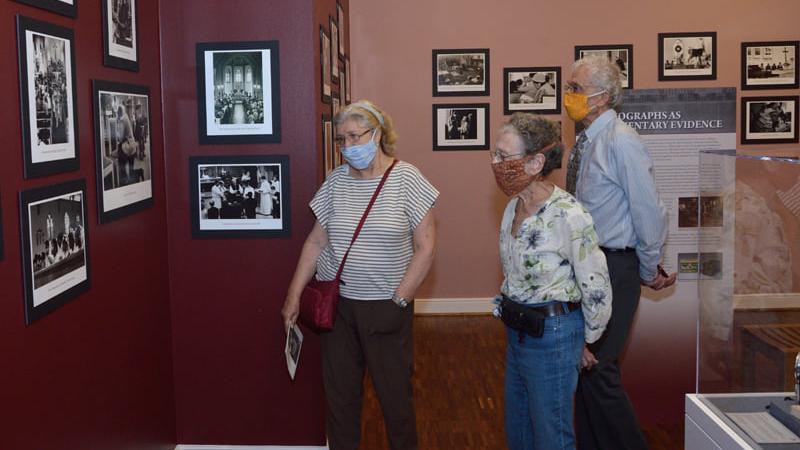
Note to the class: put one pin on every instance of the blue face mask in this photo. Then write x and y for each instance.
(359, 156)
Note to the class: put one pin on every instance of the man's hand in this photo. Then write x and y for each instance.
(588, 359)
(661, 281)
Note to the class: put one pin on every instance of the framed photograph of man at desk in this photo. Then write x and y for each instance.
(770, 65)
(460, 72)
(532, 89)
(67, 8)
(687, 56)
(123, 149)
(120, 37)
(621, 55)
(48, 98)
(238, 92)
(239, 196)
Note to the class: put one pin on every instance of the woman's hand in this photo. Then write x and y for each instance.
(290, 311)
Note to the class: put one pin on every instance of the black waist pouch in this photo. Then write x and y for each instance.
(521, 318)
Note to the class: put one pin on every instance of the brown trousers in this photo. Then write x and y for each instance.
(375, 335)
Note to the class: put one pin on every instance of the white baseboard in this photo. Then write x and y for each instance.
(247, 447)
(425, 306)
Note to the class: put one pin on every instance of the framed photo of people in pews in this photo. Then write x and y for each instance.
(238, 92)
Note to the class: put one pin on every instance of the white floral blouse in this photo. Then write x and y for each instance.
(555, 257)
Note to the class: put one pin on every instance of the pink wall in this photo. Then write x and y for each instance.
(391, 65)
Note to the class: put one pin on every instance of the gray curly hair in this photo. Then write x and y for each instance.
(536, 133)
(603, 74)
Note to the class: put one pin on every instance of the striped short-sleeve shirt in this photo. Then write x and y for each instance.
(381, 254)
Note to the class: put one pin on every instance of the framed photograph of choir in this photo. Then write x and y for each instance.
(123, 149)
(334, 50)
(55, 246)
(238, 92)
(48, 97)
(532, 89)
(461, 126)
(239, 196)
(687, 56)
(340, 20)
(325, 65)
(327, 146)
(67, 8)
(120, 37)
(769, 120)
(770, 65)
(460, 72)
(621, 54)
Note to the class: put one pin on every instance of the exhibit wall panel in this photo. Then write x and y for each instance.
(95, 373)
(391, 65)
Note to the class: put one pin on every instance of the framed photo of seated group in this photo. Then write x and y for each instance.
(460, 72)
(67, 8)
(120, 36)
(770, 65)
(123, 149)
(238, 92)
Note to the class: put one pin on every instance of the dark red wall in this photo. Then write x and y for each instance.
(96, 373)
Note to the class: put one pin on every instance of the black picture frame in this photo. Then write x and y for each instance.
(677, 52)
(49, 121)
(622, 54)
(532, 89)
(65, 8)
(460, 72)
(121, 34)
(334, 27)
(238, 218)
(51, 278)
(325, 66)
(772, 75)
(123, 168)
(340, 21)
(475, 136)
(769, 120)
(262, 123)
(328, 158)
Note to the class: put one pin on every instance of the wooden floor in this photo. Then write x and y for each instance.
(458, 389)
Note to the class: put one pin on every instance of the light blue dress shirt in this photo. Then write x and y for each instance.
(616, 184)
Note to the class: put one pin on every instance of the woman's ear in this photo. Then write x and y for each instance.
(535, 165)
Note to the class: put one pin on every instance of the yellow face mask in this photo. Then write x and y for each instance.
(577, 105)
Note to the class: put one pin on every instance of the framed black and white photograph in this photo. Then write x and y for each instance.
(769, 120)
(532, 89)
(461, 126)
(340, 20)
(327, 145)
(770, 65)
(687, 56)
(460, 72)
(48, 97)
(120, 37)
(621, 54)
(239, 196)
(335, 104)
(55, 246)
(325, 65)
(334, 50)
(238, 92)
(67, 8)
(123, 149)
(347, 81)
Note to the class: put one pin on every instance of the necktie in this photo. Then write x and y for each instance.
(574, 163)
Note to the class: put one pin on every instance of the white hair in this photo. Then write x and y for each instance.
(603, 74)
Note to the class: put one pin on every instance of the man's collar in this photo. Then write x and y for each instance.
(599, 123)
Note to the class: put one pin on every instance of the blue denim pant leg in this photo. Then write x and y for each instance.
(541, 377)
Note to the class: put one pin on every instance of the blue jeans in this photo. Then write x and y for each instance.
(541, 376)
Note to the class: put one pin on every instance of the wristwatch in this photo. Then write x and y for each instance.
(399, 301)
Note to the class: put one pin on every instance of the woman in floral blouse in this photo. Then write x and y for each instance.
(556, 294)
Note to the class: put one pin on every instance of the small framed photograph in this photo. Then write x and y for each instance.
(334, 50)
(343, 85)
(120, 37)
(327, 145)
(687, 56)
(335, 104)
(461, 126)
(67, 8)
(48, 98)
(238, 92)
(325, 65)
(769, 120)
(770, 65)
(123, 149)
(239, 196)
(460, 72)
(340, 20)
(55, 246)
(347, 80)
(621, 54)
(532, 89)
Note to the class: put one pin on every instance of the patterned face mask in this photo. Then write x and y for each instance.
(510, 175)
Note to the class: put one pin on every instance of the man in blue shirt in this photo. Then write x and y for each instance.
(611, 174)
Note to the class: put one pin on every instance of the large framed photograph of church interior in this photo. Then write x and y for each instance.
(67, 8)
(460, 72)
(55, 246)
(120, 36)
(532, 89)
(123, 149)
(48, 97)
(769, 120)
(770, 65)
(243, 196)
(461, 126)
(238, 92)
(620, 54)
(687, 56)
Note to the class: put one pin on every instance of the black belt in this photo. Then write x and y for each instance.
(556, 309)
(617, 250)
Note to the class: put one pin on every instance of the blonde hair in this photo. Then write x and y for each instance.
(366, 114)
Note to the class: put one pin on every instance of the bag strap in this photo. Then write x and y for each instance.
(364, 217)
